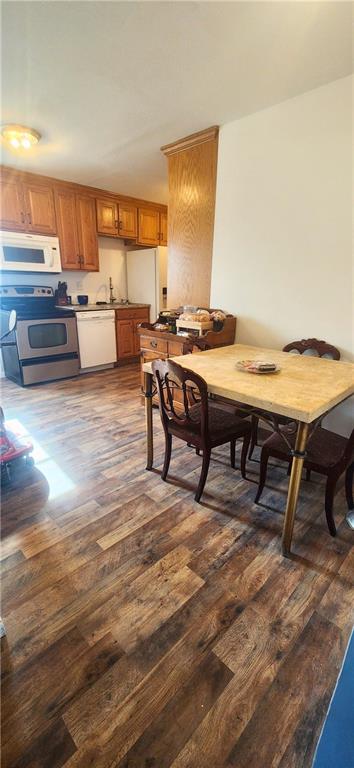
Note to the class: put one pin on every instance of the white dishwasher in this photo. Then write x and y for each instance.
(97, 338)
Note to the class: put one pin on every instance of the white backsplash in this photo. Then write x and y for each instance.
(94, 284)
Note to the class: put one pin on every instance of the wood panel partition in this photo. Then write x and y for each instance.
(192, 164)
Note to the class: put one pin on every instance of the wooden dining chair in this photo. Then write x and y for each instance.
(311, 347)
(327, 453)
(195, 419)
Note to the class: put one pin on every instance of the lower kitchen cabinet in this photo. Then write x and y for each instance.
(125, 339)
(127, 323)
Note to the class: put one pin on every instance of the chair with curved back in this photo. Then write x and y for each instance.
(195, 419)
(327, 453)
(313, 347)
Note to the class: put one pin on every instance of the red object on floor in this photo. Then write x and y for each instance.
(12, 446)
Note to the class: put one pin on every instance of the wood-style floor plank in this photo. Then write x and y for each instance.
(160, 743)
(279, 711)
(145, 630)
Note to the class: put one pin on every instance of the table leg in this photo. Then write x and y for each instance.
(294, 485)
(148, 379)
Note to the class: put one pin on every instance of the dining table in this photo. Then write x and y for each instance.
(304, 388)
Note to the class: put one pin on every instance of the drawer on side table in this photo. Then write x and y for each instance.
(155, 345)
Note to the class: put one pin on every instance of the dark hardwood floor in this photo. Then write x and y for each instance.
(145, 630)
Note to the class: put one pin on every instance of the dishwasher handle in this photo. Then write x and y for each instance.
(100, 319)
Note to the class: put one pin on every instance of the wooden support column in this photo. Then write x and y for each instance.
(192, 164)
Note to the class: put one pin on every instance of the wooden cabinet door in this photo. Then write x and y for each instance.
(163, 228)
(125, 339)
(148, 226)
(87, 233)
(128, 220)
(39, 209)
(65, 207)
(12, 214)
(107, 217)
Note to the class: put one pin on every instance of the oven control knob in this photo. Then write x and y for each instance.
(48, 291)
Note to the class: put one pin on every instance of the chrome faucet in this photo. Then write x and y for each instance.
(112, 298)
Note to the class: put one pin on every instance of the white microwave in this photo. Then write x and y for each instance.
(21, 252)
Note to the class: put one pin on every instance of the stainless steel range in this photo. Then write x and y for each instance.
(44, 344)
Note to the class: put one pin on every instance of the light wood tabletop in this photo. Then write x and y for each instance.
(304, 389)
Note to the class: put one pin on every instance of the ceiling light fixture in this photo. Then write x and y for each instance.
(20, 137)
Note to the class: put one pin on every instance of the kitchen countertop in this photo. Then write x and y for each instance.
(99, 307)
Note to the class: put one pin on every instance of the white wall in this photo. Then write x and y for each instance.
(95, 284)
(283, 260)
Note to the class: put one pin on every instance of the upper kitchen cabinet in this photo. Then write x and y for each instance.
(76, 218)
(27, 206)
(86, 223)
(65, 206)
(77, 213)
(12, 206)
(107, 217)
(39, 209)
(116, 219)
(128, 220)
(152, 227)
(148, 226)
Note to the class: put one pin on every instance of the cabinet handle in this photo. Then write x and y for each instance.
(23, 220)
(116, 224)
(29, 218)
(120, 223)
(153, 343)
